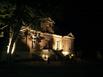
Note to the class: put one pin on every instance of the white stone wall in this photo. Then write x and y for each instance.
(67, 43)
(57, 42)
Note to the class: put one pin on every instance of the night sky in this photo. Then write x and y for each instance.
(84, 19)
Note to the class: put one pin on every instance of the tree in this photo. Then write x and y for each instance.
(15, 13)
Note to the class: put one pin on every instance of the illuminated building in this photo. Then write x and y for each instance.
(57, 44)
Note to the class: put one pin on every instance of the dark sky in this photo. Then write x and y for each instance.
(84, 19)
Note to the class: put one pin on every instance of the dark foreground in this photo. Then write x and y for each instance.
(51, 69)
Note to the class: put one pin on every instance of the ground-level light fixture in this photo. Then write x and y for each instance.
(45, 54)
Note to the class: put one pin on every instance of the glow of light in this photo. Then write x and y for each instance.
(13, 48)
(9, 45)
(45, 54)
(45, 57)
(72, 55)
(2, 34)
(57, 45)
(65, 53)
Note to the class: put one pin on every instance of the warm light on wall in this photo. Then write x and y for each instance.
(65, 53)
(67, 43)
(57, 44)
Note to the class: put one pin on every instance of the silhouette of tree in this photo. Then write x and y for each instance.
(15, 13)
